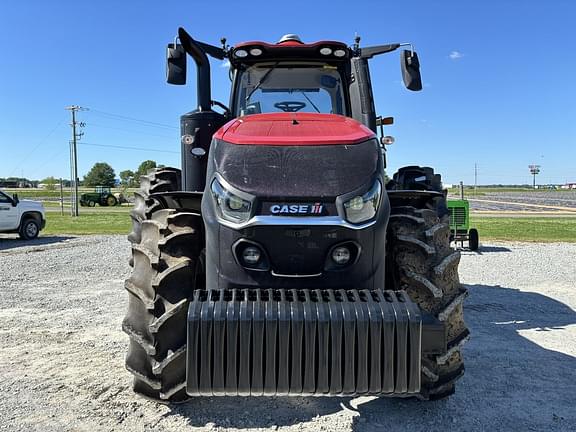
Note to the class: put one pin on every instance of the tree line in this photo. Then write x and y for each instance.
(102, 174)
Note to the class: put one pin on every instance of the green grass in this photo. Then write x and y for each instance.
(483, 190)
(38, 193)
(56, 204)
(531, 229)
(538, 229)
(89, 222)
(47, 194)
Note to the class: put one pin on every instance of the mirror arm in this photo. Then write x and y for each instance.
(403, 44)
(370, 52)
(212, 51)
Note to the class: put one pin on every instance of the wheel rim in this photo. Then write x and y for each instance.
(111, 201)
(31, 229)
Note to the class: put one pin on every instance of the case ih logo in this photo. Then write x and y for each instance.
(297, 209)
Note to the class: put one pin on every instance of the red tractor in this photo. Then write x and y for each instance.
(278, 260)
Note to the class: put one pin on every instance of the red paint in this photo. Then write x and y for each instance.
(294, 129)
(266, 45)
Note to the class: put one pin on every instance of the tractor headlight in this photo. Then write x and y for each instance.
(229, 206)
(362, 208)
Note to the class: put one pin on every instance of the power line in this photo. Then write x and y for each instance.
(50, 159)
(126, 118)
(131, 131)
(36, 147)
(128, 148)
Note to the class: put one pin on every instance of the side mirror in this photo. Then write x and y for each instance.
(175, 64)
(15, 200)
(411, 70)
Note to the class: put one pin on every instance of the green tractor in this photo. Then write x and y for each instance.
(460, 230)
(101, 195)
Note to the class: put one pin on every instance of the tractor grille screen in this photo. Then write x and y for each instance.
(457, 216)
(296, 171)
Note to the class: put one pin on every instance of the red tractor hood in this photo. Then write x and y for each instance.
(294, 129)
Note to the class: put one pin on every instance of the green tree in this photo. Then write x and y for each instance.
(101, 174)
(50, 183)
(146, 166)
(143, 169)
(127, 178)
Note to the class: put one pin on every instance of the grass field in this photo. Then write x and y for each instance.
(484, 190)
(90, 221)
(537, 229)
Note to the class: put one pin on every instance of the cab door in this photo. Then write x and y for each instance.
(8, 213)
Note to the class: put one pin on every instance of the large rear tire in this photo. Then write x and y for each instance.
(421, 261)
(111, 201)
(159, 292)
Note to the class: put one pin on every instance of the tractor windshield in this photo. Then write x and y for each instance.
(277, 87)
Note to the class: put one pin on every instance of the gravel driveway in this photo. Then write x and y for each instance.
(61, 356)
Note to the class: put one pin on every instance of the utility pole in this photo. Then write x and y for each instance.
(61, 197)
(74, 158)
(475, 177)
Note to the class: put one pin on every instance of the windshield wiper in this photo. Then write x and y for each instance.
(264, 78)
(309, 100)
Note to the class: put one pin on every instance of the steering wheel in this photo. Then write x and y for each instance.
(290, 106)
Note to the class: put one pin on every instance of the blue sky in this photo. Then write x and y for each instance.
(499, 79)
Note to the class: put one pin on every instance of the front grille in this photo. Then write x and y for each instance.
(457, 216)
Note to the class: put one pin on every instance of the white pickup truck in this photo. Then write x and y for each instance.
(24, 217)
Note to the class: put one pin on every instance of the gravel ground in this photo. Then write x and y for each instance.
(62, 302)
(523, 201)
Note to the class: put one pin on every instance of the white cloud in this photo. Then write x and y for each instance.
(225, 64)
(455, 55)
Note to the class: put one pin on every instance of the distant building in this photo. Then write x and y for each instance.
(568, 186)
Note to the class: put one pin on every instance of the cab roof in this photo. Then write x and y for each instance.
(290, 47)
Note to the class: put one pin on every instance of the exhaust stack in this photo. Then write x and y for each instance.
(203, 91)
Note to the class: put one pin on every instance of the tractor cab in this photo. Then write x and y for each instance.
(290, 76)
(325, 77)
(102, 189)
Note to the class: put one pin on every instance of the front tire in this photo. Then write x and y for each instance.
(29, 229)
(473, 239)
(158, 180)
(159, 292)
(422, 262)
(419, 259)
